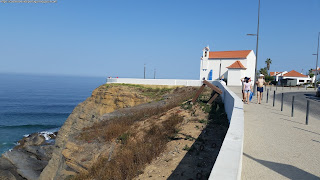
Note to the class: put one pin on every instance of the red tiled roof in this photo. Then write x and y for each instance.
(229, 54)
(315, 70)
(236, 65)
(294, 73)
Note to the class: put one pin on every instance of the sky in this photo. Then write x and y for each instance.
(116, 38)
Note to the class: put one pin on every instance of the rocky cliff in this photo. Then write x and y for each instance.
(68, 157)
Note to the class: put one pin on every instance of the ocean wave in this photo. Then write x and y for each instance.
(29, 126)
(6, 144)
(35, 114)
(39, 105)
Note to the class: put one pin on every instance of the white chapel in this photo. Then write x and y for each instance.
(228, 65)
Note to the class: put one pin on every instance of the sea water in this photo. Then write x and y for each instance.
(34, 103)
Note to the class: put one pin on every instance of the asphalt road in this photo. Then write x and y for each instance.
(300, 102)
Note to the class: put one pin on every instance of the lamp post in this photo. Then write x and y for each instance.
(315, 80)
(257, 47)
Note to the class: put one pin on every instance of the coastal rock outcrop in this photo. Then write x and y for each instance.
(28, 159)
(68, 158)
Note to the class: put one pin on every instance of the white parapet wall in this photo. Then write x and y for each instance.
(169, 82)
(228, 165)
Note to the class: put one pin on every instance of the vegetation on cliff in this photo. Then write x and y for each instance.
(135, 151)
(108, 130)
(141, 136)
(122, 130)
(137, 148)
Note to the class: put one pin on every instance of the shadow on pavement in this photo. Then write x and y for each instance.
(281, 114)
(291, 121)
(312, 97)
(266, 106)
(306, 130)
(315, 141)
(289, 171)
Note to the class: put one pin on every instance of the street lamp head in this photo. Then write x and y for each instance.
(315, 54)
(251, 34)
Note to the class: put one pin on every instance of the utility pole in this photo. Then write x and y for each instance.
(257, 48)
(144, 72)
(315, 79)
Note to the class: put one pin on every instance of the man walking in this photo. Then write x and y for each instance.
(260, 82)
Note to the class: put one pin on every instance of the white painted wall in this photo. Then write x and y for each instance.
(297, 79)
(236, 75)
(169, 82)
(250, 64)
(279, 76)
(228, 165)
(214, 65)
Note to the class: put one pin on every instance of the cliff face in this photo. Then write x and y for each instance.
(69, 156)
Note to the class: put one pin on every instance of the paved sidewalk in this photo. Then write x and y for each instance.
(278, 146)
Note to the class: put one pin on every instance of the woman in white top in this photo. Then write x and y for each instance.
(247, 87)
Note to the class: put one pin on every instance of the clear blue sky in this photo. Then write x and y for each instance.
(115, 38)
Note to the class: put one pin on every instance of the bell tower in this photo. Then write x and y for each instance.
(204, 63)
(205, 52)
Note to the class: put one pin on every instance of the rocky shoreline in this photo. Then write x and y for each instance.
(28, 159)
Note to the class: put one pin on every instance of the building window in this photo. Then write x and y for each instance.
(301, 80)
(205, 54)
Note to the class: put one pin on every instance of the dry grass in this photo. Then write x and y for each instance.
(107, 130)
(133, 155)
(134, 151)
(151, 91)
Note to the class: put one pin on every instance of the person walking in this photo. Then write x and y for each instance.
(260, 82)
(242, 82)
(247, 87)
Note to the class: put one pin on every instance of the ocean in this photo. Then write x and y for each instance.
(35, 103)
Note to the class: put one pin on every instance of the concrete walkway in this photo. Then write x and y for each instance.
(278, 146)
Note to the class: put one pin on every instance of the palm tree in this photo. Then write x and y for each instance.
(263, 71)
(268, 62)
(310, 73)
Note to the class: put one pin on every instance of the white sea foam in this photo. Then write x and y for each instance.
(46, 135)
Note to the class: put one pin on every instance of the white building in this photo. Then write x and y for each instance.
(228, 65)
(276, 75)
(295, 76)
